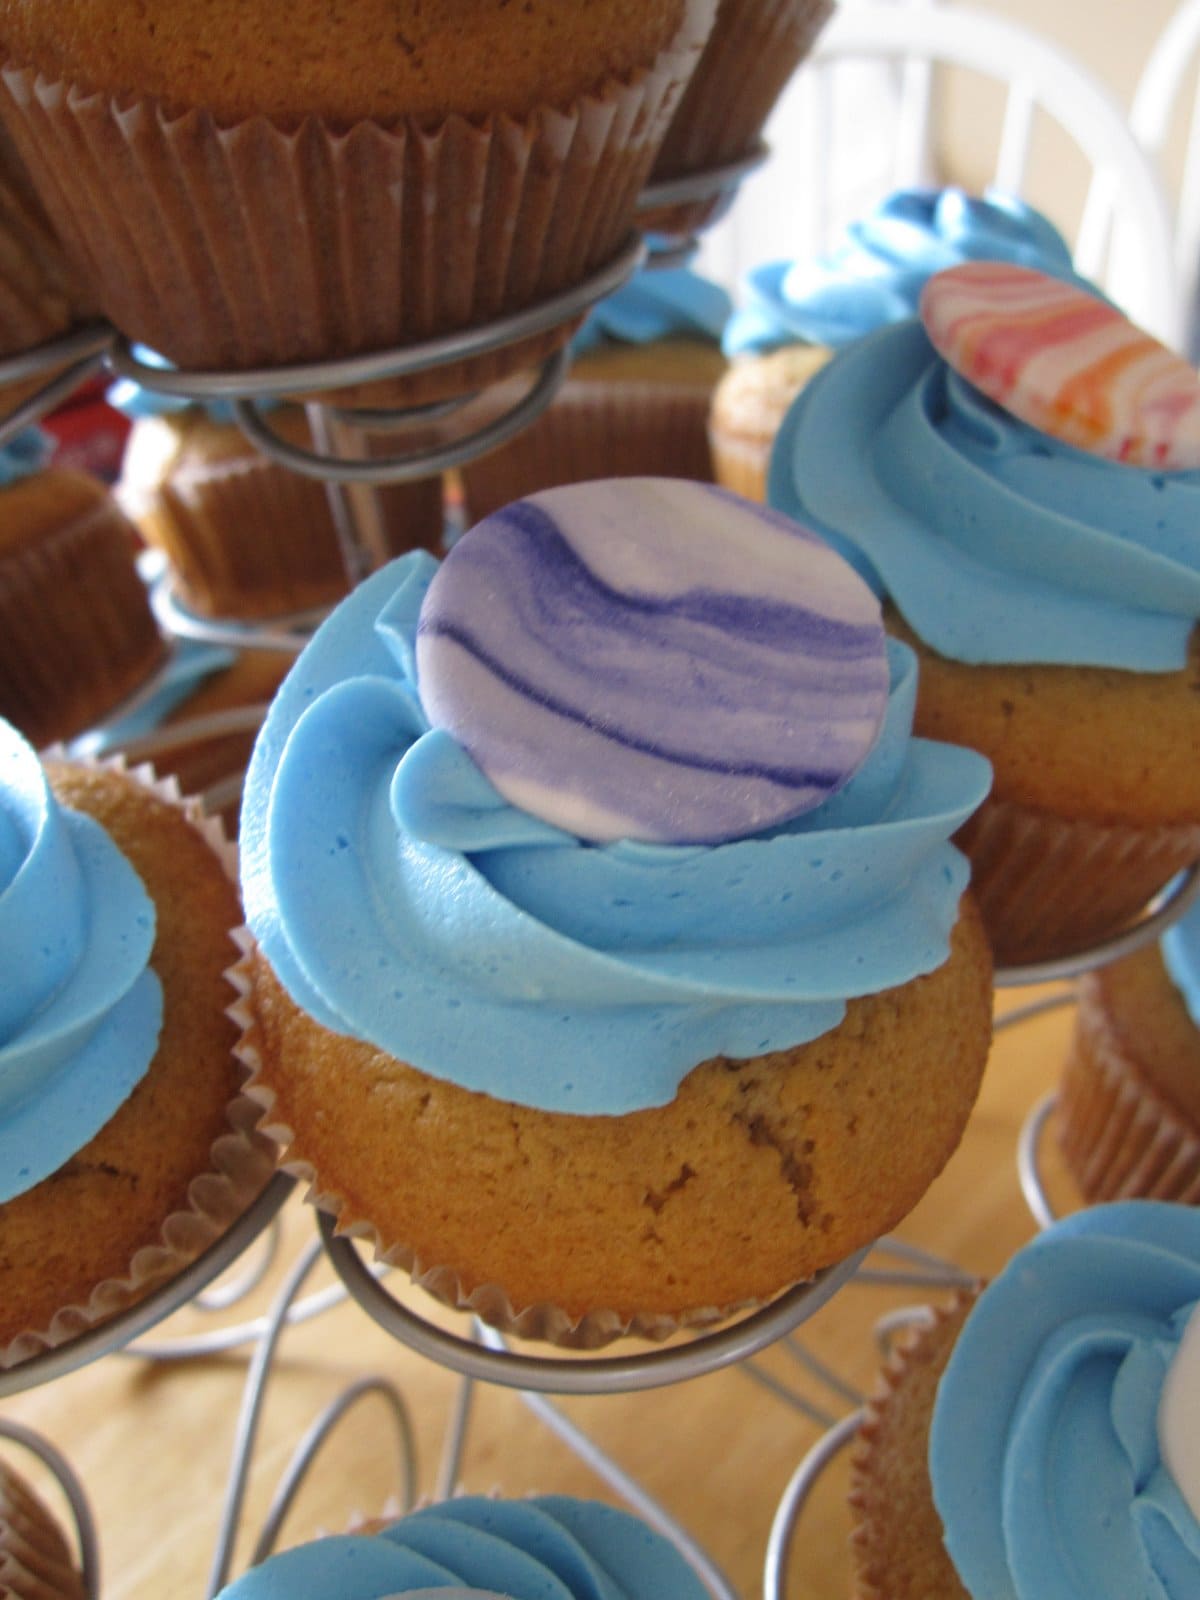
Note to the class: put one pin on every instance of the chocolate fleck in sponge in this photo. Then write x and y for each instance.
(342, 59)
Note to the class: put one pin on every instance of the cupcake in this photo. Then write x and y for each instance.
(534, 1549)
(124, 1149)
(468, 161)
(39, 298)
(245, 537)
(1060, 1462)
(35, 1560)
(754, 48)
(798, 312)
(617, 968)
(635, 404)
(1026, 499)
(1129, 1101)
(76, 631)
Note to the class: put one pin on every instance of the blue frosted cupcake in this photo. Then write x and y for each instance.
(548, 1547)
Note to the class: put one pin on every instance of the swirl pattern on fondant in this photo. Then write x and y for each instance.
(80, 1009)
(1066, 363)
(548, 1547)
(656, 303)
(996, 542)
(714, 681)
(401, 900)
(875, 275)
(1044, 1451)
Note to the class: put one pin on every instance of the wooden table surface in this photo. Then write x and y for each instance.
(152, 1444)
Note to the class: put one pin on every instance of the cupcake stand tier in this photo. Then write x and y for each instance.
(760, 1348)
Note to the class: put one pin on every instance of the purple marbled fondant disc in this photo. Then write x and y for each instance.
(652, 659)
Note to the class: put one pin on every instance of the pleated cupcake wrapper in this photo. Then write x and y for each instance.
(752, 52)
(489, 1302)
(257, 245)
(1120, 1138)
(1048, 887)
(35, 1559)
(922, 1343)
(622, 429)
(248, 538)
(242, 1160)
(73, 651)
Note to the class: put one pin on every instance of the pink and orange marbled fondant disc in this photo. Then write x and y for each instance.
(1065, 362)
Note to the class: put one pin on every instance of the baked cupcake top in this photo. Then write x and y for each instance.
(639, 657)
(875, 274)
(347, 59)
(999, 541)
(1064, 1450)
(80, 1008)
(656, 303)
(548, 1547)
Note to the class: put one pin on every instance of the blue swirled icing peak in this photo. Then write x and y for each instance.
(876, 274)
(996, 542)
(29, 452)
(1045, 1446)
(656, 303)
(1181, 952)
(548, 1547)
(80, 1009)
(402, 900)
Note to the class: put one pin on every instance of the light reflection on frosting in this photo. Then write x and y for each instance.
(1044, 1448)
(997, 543)
(80, 1010)
(401, 900)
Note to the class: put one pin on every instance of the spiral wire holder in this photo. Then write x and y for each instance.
(1029, 1167)
(78, 353)
(145, 1313)
(799, 1490)
(591, 1375)
(286, 634)
(718, 184)
(72, 1489)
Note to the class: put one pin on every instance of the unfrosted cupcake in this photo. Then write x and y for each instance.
(76, 631)
(1038, 552)
(35, 1560)
(610, 861)
(468, 161)
(1129, 1101)
(1061, 1460)
(798, 312)
(534, 1549)
(245, 537)
(124, 1148)
(635, 403)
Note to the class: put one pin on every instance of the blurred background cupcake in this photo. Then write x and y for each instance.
(36, 1562)
(1129, 1101)
(468, 162)
(797, 313)
(636, 400)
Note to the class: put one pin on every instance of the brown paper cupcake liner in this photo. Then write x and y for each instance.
(35, 1559)
(79, 635)
(889, 1464)
(622, 429)
(1048, 887)
(752, 52)
(489, 1302)
(211, 244)
(242, 1159)
(1120, 1138)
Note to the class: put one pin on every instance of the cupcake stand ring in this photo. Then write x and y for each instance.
(679, 208)
(66, 361)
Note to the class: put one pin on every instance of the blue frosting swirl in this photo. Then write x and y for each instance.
(24, 455)
(402, 901)
(1181, 953)
(1044, 1449)
(80, 1009)
(996, 542)
(548, 1547)
(876, 274)
(656, 303)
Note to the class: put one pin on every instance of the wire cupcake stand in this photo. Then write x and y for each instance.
(477, 1354)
